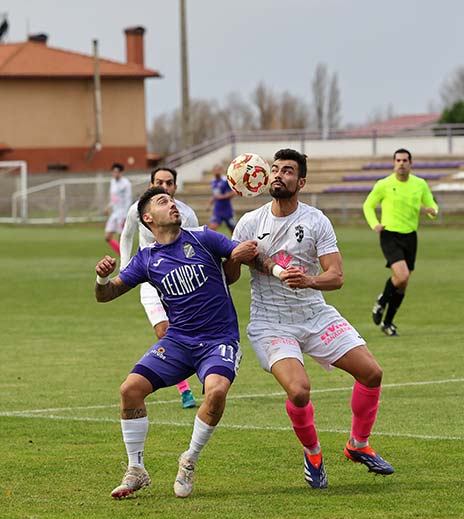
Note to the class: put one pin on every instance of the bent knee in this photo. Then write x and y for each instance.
(372, 377)
(298, 393)
(131, 390)
(216, 395)
(401, 281)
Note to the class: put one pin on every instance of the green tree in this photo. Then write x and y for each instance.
(453, 114)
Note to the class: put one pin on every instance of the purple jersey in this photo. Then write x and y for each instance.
(222, 208)
(189, 277)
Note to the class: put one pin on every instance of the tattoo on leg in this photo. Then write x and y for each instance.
(131, 414)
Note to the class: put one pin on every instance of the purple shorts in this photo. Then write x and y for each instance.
(168, 362)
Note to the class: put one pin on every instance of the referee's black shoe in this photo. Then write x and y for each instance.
(377, 311)
(389, 329)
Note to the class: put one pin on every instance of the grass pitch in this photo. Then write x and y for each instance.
(63, 356)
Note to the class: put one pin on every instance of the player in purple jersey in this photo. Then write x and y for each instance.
(221, 201)
(187, 269)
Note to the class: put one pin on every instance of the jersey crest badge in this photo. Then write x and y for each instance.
(189, 251)
(299, 233)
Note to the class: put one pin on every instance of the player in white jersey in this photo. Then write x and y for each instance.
(166, 178)
(120, 201)
(289, 315)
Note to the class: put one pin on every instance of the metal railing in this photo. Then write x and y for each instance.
(60, 203)
(371, 133)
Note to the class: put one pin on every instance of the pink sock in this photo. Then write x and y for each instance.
(302, 419)
(183, 386)
(115, 246)
(364, 404)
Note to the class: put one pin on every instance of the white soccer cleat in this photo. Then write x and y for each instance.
(183, 485)
(134, 479)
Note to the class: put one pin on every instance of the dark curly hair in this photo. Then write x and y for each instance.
(299, 158)
(144, 200)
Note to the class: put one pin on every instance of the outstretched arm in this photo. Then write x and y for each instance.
(244, 252)
(108, 289)
(259, 262)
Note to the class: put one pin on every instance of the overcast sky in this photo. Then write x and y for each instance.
(396, 52)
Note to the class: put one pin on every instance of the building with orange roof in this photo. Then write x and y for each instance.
(49, 107)
(395, 125)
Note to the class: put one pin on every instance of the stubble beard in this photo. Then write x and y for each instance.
(282, 193)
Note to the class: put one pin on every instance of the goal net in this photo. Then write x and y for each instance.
(46, 199)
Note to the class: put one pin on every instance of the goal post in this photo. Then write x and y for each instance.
(20, 207)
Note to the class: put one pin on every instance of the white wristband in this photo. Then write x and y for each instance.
(103, 281)
(277, 270)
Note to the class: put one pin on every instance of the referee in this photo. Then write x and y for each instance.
(401, 196)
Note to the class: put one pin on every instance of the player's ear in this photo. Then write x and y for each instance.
(301, 183)
(147, 218)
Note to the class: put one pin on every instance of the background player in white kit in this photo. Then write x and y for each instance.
(120, 201)
(167, 179)
(289, 316)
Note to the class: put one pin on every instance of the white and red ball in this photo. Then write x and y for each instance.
(248, 174)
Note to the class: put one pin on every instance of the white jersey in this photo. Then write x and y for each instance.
(120, 195)
(299, 240)
(189, 219)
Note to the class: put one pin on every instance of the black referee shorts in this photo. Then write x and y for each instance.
(397, 246)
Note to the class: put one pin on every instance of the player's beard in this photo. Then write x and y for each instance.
(283, 192)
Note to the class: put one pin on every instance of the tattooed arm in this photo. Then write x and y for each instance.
(264, 264)
(243, 253)
(247, 253)
(108, 289)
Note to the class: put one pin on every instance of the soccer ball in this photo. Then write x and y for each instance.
(248, 174)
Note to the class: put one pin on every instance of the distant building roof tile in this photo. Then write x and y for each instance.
(36, 60)
(396, 124)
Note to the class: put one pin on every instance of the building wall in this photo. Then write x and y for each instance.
(40, 160)
(53, 121)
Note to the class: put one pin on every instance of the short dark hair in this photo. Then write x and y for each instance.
(145, 199)
(299, 158)
(403, 150)
(118, 166)
(162, 168)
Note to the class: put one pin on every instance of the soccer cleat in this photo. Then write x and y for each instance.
(134, 479)
(187, 399)
(377, 311)
(314, 470)
(389, 329)
(183, 485)
(367, 456)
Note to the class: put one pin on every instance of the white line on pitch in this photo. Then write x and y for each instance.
(230, 397)
(240, 427)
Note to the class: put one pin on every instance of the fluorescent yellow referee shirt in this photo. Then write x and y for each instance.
(400, 202)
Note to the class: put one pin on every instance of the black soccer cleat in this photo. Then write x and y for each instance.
(389, 329)
(377, 311)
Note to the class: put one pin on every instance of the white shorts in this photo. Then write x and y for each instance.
(151, 303)
(115, 223)
(326, 337)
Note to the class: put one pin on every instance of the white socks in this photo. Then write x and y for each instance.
(200, 436)
(358, 445)
(134, 433)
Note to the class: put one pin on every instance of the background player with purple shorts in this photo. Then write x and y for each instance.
(223, 210)
(186, 268)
